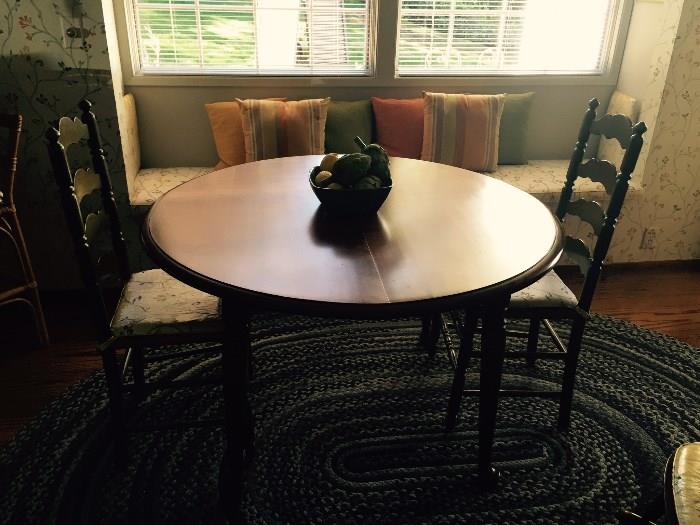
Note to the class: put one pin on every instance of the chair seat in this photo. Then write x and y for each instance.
(684, 484)
(153, 302)
(549, 292)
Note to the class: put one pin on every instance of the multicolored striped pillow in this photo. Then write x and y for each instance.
(462, 130)
(282, 129)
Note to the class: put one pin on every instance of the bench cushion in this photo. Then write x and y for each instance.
(544, 180)
(541, 178)
(151, 183)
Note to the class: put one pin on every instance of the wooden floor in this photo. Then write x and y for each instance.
(665, 298)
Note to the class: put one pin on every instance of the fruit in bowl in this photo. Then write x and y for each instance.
(356, 183)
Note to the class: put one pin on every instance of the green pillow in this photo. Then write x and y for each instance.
(345, 121)
(512, 141)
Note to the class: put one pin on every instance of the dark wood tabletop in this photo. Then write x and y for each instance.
(444, 236)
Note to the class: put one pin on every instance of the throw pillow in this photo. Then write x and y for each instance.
(610, 149)
(399, 126)
(282, 129)
(225, 122)
(513, 135)
(347, 120)
(462, 130)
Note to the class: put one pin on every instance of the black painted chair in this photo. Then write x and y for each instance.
(549, 298)
(153, 309)
(17, 282)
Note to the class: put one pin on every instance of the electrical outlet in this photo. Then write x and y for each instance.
(648, 239)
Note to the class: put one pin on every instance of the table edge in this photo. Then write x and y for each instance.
(253, 300)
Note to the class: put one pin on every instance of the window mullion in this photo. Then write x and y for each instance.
(384, 22)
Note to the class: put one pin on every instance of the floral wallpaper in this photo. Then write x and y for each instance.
(43, 75)
(670, 165)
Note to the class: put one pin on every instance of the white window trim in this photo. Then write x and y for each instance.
(386, 13)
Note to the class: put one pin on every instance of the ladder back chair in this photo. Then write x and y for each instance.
(153, 309)
(18, 284)
(549, 298)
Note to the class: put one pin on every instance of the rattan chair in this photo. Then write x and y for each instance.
(17, 282)
(549, 298)
(154, 309)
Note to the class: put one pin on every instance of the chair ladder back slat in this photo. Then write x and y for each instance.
(76, 226)
(576, 158)
(617, 127)
(13, 123)
(588, 211)
(110, 205)
(94, 223)
(71, 131)
(85, 182)
(611, 216)
(600, 171)
(578, 252)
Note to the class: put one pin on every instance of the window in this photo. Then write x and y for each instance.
(252, 37)
(458, 37)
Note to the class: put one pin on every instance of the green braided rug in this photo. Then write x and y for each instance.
(348, 419)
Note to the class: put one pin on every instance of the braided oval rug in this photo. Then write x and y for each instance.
(348, 419)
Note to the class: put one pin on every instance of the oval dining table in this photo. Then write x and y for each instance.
(445, 238)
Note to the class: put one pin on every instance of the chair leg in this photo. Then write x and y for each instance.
(532, 339)
(116, 405)
(567, 394)
(138, 369)
(430, 332)
(466, 347)
(39, 319)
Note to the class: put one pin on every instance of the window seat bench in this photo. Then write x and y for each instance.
(541, 178)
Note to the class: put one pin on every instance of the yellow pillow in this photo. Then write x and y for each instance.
(282, 129)
(225, 121)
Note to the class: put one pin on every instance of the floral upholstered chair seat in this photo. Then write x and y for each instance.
(153, 302)
(549, 292)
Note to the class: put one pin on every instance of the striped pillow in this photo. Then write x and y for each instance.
(274, 128)
(462, 130)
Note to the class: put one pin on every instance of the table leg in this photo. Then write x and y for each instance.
(238, 420)
(493, 348)
(430, 332)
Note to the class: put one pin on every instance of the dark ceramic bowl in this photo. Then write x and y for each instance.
(349, 202)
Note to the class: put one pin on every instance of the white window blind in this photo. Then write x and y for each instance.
(457, 37)
(253, 37)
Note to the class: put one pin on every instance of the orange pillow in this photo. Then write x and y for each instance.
(462, 130)
(399, 125)
(273, 128)
(225, 121)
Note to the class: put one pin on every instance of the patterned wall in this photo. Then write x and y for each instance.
(43, 76)
(670, 164)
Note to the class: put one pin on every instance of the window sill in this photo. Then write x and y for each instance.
(464, 82)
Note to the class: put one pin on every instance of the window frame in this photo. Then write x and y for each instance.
(384, 22)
